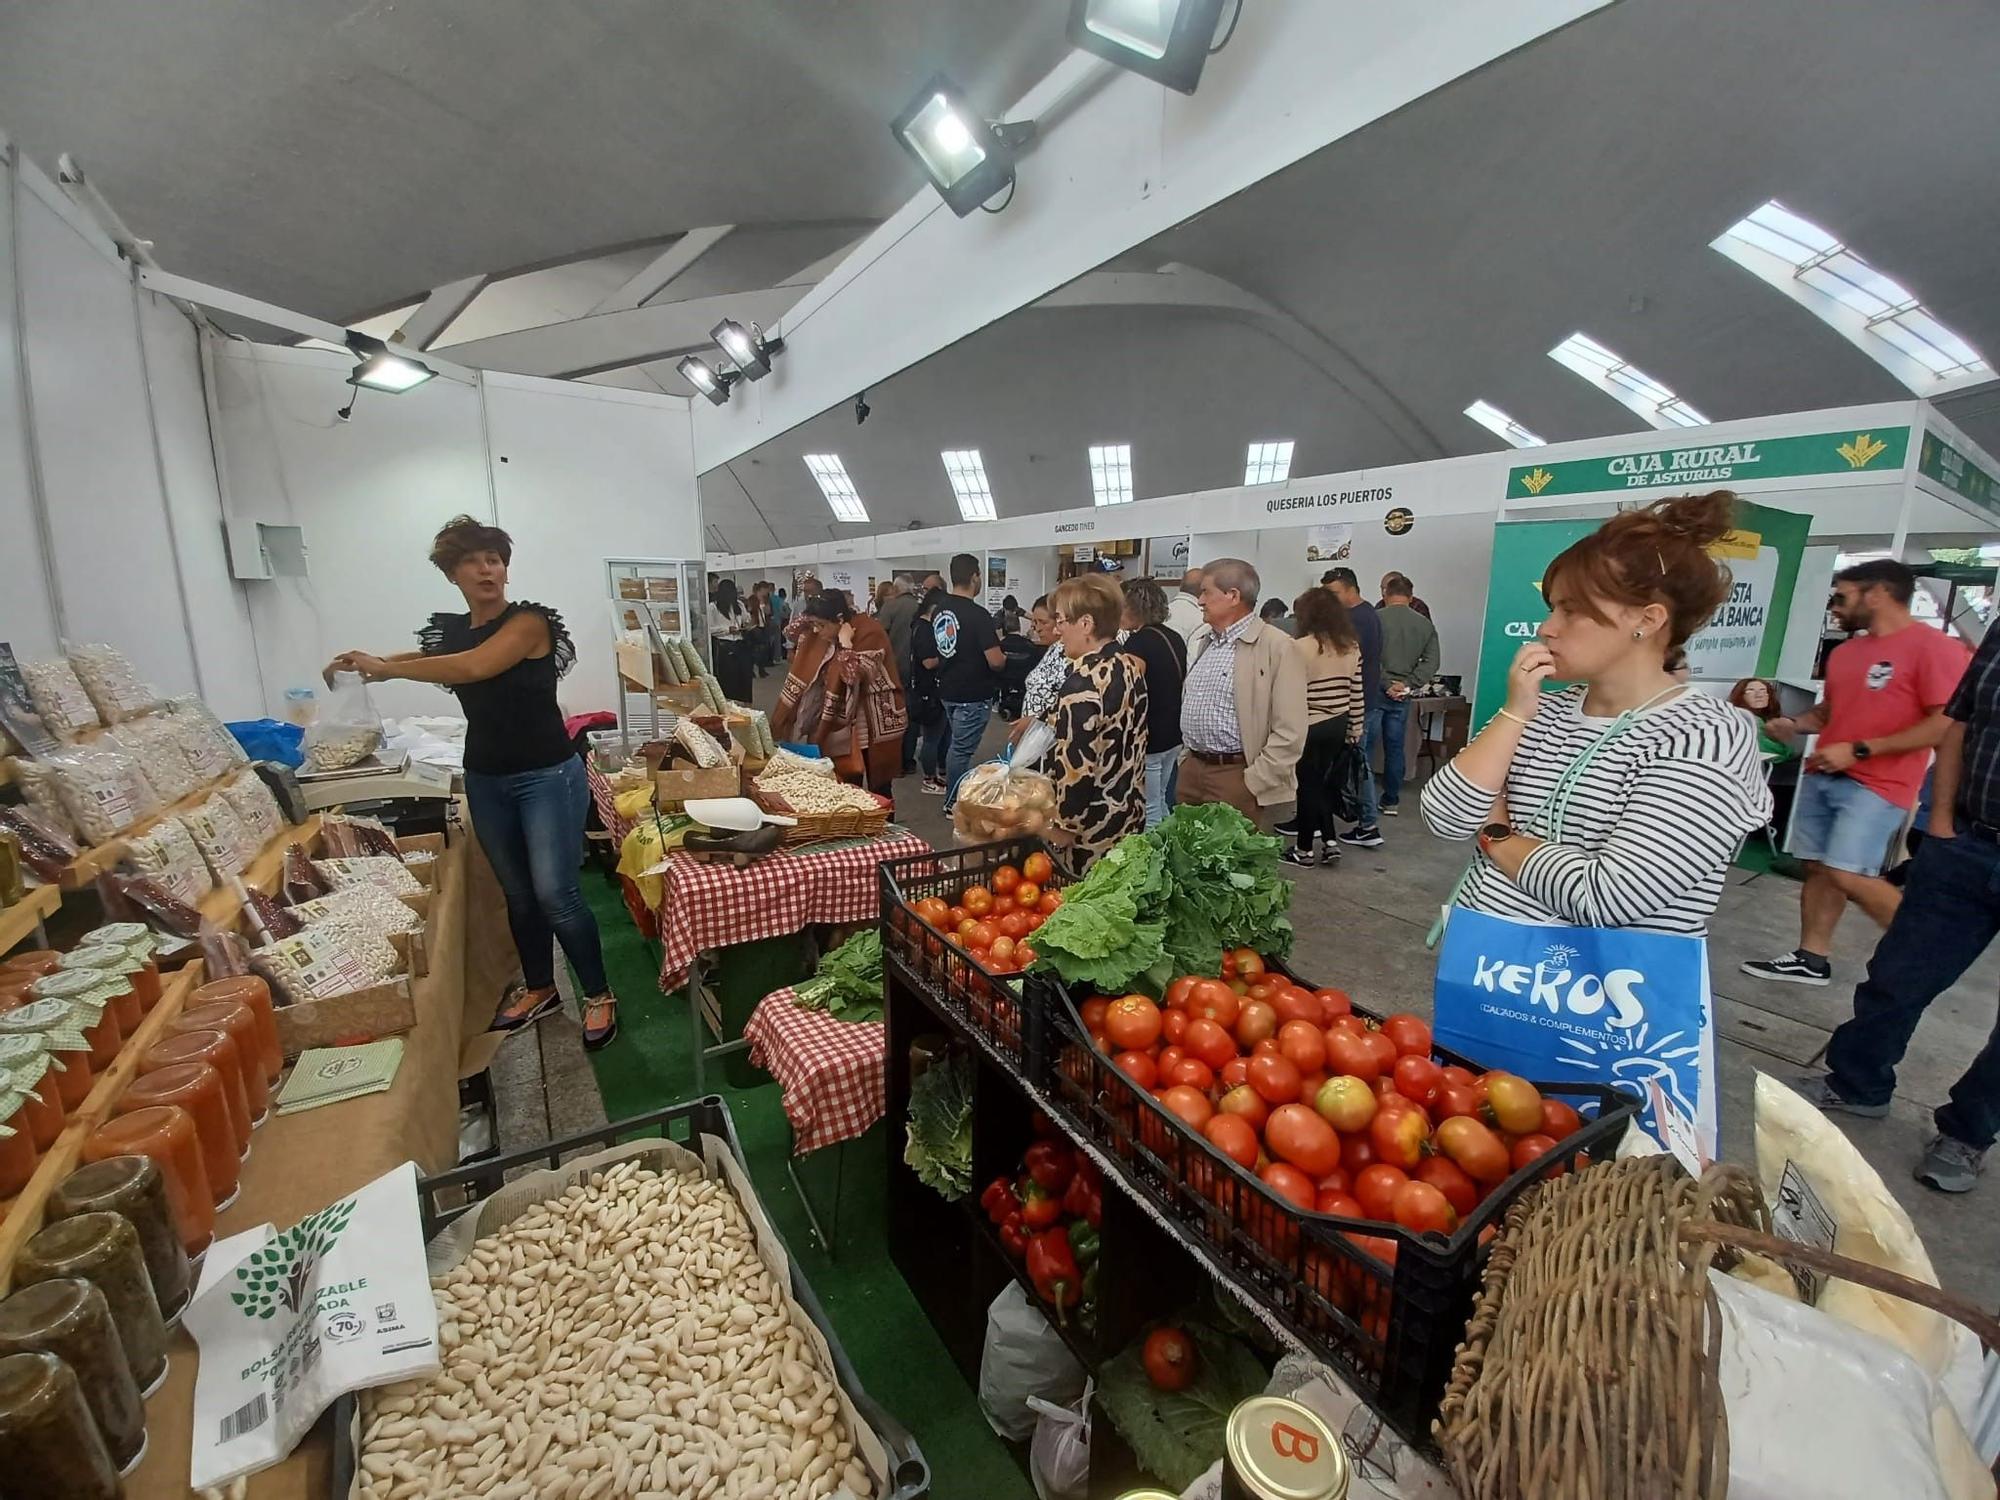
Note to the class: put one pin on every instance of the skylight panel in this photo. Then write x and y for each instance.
(1871, 309)
(1267, 463)
(967, 472)
(1111, 474)
(1502, 426)
(839, 490)
(1655, 403)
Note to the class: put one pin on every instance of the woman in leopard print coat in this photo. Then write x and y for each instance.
(1098, 763)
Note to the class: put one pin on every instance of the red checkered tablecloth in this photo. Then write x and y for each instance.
(607, 805)
(707, 906)
(833, 1072)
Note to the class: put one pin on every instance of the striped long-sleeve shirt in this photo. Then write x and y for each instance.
(1650, 828)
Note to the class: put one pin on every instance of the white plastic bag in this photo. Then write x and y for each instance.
(1023, 1357)
(1059, 1453)
(348, 729)
(1007, 798)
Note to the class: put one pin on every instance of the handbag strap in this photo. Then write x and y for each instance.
(1550, 816)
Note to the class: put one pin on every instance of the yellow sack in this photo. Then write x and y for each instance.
(645, 846)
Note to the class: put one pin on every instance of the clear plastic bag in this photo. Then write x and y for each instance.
(46, 847)
(103, 790)
(1059, 1452)
(112, 683)
(256, 807)
(194, 717)
(59, 698)
(152, 742)
(43, 794)
(347, 837)
(389, 873)
(1022, 1357)
(170, 856)
(220, 835)
(1007, 798)
(139, 898)
(348, 729)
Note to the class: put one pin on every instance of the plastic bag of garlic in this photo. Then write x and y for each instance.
(702, 1376)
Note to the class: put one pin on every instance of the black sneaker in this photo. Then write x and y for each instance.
(1392, 809)
(1304, 854)
(1789, 968)
(1289, 828)
(1364, 836)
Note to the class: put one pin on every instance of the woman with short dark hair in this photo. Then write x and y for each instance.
(728, 641)
(524, 782)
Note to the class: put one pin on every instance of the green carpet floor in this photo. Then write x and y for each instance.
(900, 1361)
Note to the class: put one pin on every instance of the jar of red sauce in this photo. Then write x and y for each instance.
(167, 1135)
(251, 990)
(34, 963)
(26, 1061)
(66, 1043)
(17, 1147)
(197, 1088)
(88, 995)
(217, 1049)
(240, 1022)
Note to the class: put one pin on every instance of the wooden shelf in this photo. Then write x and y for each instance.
(95, 860)
(17, 922)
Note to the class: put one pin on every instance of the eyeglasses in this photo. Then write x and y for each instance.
(1060, 620)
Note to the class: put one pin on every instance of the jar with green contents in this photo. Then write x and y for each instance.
(134, 1188)
(49, 1444)
(120, 970)
(104, 1250)
(26, 1061)
(71, 1320)
(63, 1035)
(88, 993)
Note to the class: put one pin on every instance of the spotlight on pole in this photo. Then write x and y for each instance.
(967, 157)
(1168, 41)
(747, 348)
(704, 377)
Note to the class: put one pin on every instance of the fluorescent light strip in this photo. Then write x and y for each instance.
(1873, 311)
(839, 490)
(967, 472)
(1267, 463)
(1502, 426)
(1625, 383)
(1111, 474)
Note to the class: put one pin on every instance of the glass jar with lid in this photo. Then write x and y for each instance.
(49, 1443)
(26, 1060)
(197, 1088)
(88, 993)
(251, 990)
(103, 1249)
(137, 939)
(218, 1049)
(240, 1022)
(35, 962)
(167, 1137)
(71, 1319)
(120, 971)
(67, 1044)
(135, 1188)
(17, 1147)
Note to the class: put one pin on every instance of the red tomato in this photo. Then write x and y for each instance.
(1216, 1002)
(1234, 1137)
(1411, 1036)
(956, 917)
(1247, 1102)
(1049, 902)
(1421, 1207)
(1474, 1148)
(1337, 1201)
(1209, 1042)
(1345, 1103)
(1094, 1011)
(1295, 1004)
(1460, 1191)
(1529, 1147)
(1384, 1049)
(1180, 989)
(1004, 906)
(933, 912)
(1267, 1048)
(964, 929)
(1167, 1057)
(1191, 1071)
(1417, 1078)
(1456, 1076)
(1189, 1105)
(1248, 964)
(1290, 1183)
(1100, 1041)
(1350, 1054)
(1398, 1136)
(1238, 987)
(1139, 1067)
(1357, 1152)
(1036, 868)
(1001, 951)
(1027, 893)
(1012, 924)
(1304, 1044)
(1383, 1250)
(1025, 954)
(1235, 1071)
(1275, 1079)
(1035, 922)
(1297, 1135)
(1255, 1020)
(977, 900)
(1337, 1180)
(1385, 1087)
(1174, 1025)
(1170, 1359)
(1265, 988)
(1332, 1003)
(1004, 880)
(1375, 1189)
(1349, 1022)
(1559, 1119)
(1513, 1104)
(1454, 1101)
(1133, 1022)
(1310, 1085)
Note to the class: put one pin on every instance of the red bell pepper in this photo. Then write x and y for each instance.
(1051, 1165)
(1014, 1235)
(1052, 1267)
(1039, 1207)
(1084, 1199)
(998, 1200)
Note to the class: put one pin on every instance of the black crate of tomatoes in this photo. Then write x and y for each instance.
(1339, 1167)
(960, 924)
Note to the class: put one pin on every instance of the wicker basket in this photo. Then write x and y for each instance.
(811, 828)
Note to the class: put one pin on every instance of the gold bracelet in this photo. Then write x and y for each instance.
(1504, 714)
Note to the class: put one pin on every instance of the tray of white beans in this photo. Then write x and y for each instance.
(627, 1323)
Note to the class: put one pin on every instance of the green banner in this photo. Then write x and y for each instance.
(1522, 551)
(1939, 460)
(1712, 465)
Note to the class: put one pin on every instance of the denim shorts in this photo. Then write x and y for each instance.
(1840, 823)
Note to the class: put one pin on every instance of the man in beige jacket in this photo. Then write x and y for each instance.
(1243, 707)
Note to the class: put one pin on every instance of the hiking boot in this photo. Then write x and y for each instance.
(1789, 968)
(1950, 1166)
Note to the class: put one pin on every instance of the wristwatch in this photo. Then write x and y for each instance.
(1494, 833)
(1861, 750)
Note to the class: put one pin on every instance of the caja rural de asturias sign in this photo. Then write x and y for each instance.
(1716, 464)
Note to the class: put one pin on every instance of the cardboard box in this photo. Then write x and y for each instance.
(673, 788)
(384, 1009)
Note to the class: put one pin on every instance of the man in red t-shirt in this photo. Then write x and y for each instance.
(1882, 713)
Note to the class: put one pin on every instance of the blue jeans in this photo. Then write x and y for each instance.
(1841, 823)
(1372, 735)
(968, 726)
(1950, 912)
(1163, 770)
(531, 825)
(1394, 720)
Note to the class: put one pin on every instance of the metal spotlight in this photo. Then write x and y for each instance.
(380, 370)
(967, 158)
(1165, 40)
(747, 348)
(704, 377)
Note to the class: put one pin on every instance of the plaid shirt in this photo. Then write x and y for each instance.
(1976, 705)
(1208, 698)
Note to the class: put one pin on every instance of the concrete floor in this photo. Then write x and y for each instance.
(1361, 926)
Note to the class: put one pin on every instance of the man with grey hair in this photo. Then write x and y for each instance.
(1184, 609)
(896, 611)
(1243, 707)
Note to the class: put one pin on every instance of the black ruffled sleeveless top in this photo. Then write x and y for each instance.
(513, 722)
